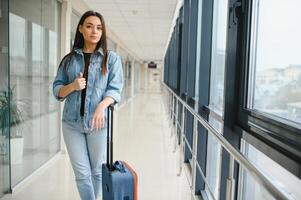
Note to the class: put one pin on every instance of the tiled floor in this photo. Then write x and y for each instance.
(141, 137)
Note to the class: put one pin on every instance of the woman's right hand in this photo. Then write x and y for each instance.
(79, 83)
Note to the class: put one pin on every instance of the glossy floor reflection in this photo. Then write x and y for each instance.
(141, 137)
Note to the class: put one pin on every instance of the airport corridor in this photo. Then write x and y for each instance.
(142, 137)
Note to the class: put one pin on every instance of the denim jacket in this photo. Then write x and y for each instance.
(98, 85)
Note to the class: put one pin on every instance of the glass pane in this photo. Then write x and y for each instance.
(213, 163)
(216, 101)
(35, 134)
(21, 109)
(218, 56)
(4, 99)
(286, 181)
(50, 115)
(253, 190)
(52, 69)
(275, 59)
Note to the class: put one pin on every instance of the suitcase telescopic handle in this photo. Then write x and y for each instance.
(110, 137)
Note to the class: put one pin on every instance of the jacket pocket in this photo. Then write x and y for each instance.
(70, 107)
(100, 79)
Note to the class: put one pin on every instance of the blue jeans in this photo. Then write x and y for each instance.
(87, 153)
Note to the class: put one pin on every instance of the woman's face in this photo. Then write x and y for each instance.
(91, 30)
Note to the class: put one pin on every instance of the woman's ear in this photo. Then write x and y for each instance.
(80, 28)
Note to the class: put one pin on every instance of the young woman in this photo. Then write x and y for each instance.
(90, 79)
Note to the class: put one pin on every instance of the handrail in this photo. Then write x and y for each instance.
(238, 156)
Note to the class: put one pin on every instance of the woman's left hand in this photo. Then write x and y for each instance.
(98, 119)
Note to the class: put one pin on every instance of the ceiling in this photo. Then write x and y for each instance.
(142, 25)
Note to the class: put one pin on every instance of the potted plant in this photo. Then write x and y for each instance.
(15, 123)
(3, 124)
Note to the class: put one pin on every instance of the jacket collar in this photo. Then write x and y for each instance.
(80, 51)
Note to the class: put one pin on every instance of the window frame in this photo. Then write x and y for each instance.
(280, 134)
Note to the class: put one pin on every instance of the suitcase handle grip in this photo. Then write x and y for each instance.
(110, 137)
(118, 165)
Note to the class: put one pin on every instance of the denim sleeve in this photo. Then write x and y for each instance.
(60, 80)
(115, 80)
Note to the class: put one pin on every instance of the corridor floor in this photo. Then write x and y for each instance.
(141, 137)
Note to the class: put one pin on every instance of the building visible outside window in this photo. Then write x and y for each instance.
(275, 74)
(274, 86)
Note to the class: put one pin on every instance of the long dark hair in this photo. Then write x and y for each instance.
(79, 39)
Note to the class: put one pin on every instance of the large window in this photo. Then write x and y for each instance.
(270, 82)
(214, 153)
(275, 74)
(216, 99)
(218, 56)
(251, 190)
(270, 95)
(34, 53)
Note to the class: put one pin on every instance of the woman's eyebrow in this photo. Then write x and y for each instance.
(89, 23)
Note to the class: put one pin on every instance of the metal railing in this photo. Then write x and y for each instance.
(235, 155)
